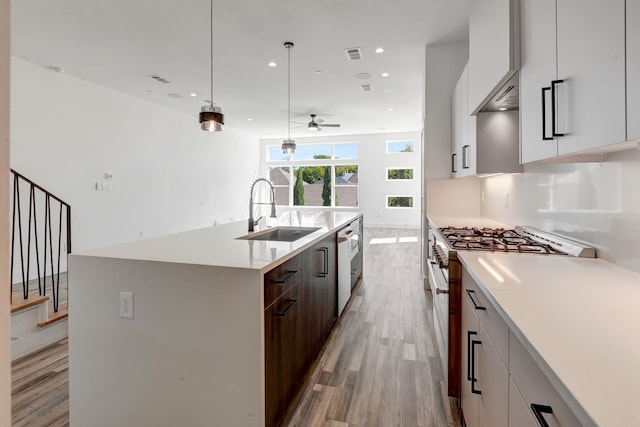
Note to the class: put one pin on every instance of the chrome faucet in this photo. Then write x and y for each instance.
(252, 222)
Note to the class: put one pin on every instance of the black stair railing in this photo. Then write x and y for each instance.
(41, 244)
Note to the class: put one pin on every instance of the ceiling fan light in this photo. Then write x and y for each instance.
(211, 118)
(288, 146)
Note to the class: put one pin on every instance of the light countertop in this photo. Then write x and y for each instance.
(218, 245)
(464, 221)
(579, 318)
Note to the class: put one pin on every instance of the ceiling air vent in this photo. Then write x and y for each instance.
(354, 53)
(366, 88)
(158, 78)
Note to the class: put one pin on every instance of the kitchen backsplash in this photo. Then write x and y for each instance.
(598, 203)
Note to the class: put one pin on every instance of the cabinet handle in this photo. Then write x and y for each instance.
(469, 333)
(473, 367)
(325, 262)
(465, 163)
(538, 410)
(554, 123)
(441, 291)
(453, 163)
(285, 279)
(292, 303)
(475, 305)
(544, 115)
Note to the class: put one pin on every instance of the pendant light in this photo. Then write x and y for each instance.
(211, 117)
(289, 145)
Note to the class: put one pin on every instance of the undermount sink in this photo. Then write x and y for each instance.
(281, 234)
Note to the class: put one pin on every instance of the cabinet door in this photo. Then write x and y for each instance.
(455, 131)
(633, 69)
(320, 284)
(493, 382)
(591, 61)
(538, 57)
(284, 329)
(468, 363)
(519, 413)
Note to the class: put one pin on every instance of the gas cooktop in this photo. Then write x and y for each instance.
(519, 240)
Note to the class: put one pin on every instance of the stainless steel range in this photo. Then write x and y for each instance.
(445, 276)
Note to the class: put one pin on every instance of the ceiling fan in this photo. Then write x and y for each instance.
(317, 125)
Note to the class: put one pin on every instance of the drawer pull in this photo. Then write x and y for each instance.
(469, 333)
(285, 279)
(292, 303)
(474, 380)
(475, 305)
(538, 410)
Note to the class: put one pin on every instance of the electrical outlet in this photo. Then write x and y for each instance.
(126, 305)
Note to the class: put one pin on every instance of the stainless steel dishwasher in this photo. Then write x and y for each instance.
(345, 255)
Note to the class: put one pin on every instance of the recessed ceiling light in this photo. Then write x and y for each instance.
(193, 94)
(379, 50)
(318, 71)
(148, 90)
(390, 109)
(249, 119)
(382, 128)
(363, 76)
(385, 74)
(502, 109)
(387, 91)
(174, 95)
(272, 64)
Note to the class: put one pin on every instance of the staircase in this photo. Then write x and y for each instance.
(40, 243)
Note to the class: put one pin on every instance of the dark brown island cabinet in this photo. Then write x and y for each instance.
(301, 307)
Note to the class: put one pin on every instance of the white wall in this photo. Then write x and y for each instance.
(594, 202)
(372, 176)
(169, 175)
(5, 365)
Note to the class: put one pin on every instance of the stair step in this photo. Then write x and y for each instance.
(62, 313)
(19, 303)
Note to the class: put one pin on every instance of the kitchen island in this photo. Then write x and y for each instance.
(194, 351)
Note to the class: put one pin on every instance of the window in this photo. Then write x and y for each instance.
(400, 146)
(399, 202)
(316, 175)
(402, 174)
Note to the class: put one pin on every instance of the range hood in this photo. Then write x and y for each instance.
(507, 98)
(494, 55)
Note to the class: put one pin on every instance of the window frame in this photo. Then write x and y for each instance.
(387, 169)
(332, 163)
(386, 201)
(390, 141)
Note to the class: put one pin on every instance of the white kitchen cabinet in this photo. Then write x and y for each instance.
(536, 389)
(572, 78)
(493, 48)
(463, 147)
(485, 378)
(519, 413)
(633, 69)
(456, 129)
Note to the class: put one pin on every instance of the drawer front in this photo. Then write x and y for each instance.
(536, 389)
(496, 328)
(281, 279)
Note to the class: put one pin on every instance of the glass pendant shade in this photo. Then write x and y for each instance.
(288, 146)
(211, 118)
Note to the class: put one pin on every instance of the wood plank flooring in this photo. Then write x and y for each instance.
(379, 367)
(40, 388)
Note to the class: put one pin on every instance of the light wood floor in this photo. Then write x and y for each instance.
(379, 368)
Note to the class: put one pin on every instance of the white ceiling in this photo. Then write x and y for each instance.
(118, 43)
